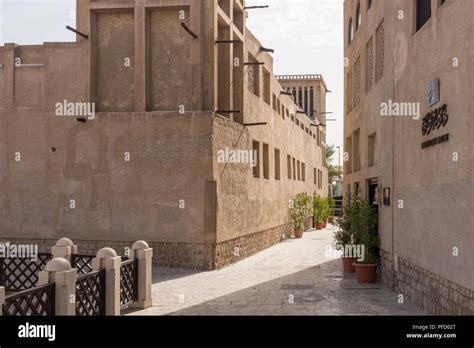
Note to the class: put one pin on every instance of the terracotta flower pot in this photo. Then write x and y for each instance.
(331, 220)
(325, 225)
(348, 264)
(298, 233)
(319, 225)
(366, 273)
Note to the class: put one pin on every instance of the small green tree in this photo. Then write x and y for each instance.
(328, 205)
(345, 222)
(358, 225)
(300, 207)
(341, 239)
(334, 172)
(320, 209)
(365, 230)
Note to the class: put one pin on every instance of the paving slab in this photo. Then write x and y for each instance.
(295, 277)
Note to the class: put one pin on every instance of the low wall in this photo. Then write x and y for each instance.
(434, 294)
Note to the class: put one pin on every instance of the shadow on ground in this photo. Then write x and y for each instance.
(319, 290)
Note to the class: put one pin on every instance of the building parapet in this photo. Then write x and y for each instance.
(299, 77)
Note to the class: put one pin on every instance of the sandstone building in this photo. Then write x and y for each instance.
(408, 141)
(173, 83)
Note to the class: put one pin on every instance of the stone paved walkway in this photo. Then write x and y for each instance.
(291, 278)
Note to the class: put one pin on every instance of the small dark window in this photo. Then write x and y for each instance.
(351, 31)
(294, 168)
(256, 149)
(288, 163)
(277, 165)
(423, 13)
(266, 162)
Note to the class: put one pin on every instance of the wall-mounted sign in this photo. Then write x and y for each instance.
(386, 196)
(435, 120)
(433, 92)
(432, 121)
(435, 141)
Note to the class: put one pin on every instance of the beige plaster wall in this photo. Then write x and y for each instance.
(114, 80)
(170, 66)
(436, 191)
(115, 199)
(245, 204)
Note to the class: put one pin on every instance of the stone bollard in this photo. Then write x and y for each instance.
(64, 248)
(2, 299)
(144, 254)
(107, 259)
(60, 272)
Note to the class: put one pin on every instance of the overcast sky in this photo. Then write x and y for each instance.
(306, 36)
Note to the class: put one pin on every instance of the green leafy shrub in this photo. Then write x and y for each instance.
(319, 209)
(359, 224)
(300, 207)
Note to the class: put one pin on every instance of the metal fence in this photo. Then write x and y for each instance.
(83, 263)
(90, 294)
(128, 282)
(21, 296)
(338, 206)
(38, 301)
(17, 274)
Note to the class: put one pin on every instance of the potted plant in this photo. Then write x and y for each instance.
(342, 239)
(300, 206)
(364, 229)
(344, 236)
(319, 212)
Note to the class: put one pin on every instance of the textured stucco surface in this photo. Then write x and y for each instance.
(436, 192)
(115, 79)
(115, 199)
(266, 201)
(170, 74)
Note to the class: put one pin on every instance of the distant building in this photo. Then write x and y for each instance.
(145, 128)
(408, 142)
(309, 93)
